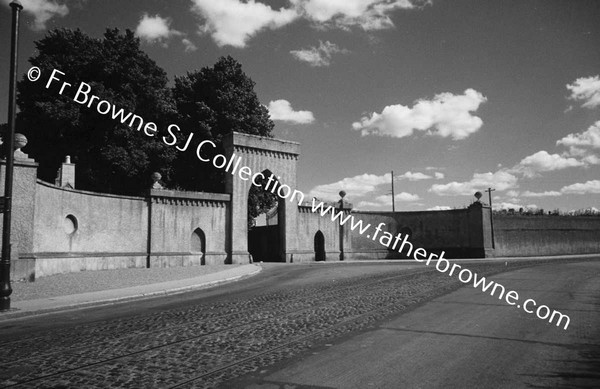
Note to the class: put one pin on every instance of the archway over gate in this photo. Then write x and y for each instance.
(259, 154)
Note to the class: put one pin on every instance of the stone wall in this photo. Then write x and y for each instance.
(56, 230)
(546, 235)
(188, 228)
(78, 230)
(460, 233)
(309, 225)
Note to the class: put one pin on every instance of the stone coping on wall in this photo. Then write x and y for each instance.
(388, 213)
(69, 254)
(89, 193)
(306, 206)
(205, 196)
(517, 216)
(262, 143)
(21, 162)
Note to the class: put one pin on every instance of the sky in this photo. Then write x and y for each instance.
(454, 96)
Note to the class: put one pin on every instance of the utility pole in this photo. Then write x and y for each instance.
(490, 190)
(5, 289)
(393, 197)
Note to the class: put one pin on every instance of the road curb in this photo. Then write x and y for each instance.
(20, 313)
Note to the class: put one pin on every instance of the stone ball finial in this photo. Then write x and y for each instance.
(342, 194)
(478, 195)
(20, 141)
(156, 176)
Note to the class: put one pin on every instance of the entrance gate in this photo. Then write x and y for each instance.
(260, 154)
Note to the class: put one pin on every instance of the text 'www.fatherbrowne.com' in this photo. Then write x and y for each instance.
(402, 245)
(85, 97)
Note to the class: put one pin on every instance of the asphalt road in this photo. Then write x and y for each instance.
(355, 325)
(467, 339)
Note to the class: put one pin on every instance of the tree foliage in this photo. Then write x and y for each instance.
(110, 156)
(212, 102)
(260, 200)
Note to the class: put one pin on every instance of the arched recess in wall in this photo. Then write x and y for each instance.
(320, 246)
(406, 231)
(266, 230)
(198, 244)
(70, 224)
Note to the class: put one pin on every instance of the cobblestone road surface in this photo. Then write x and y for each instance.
(204, 344)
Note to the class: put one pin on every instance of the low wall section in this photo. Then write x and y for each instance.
(546, 235)
(188, 228)
(460, 233)
(312, 223)
(77, 230)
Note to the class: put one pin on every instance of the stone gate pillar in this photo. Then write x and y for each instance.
(23, 206)
(480, 230)
(260, 153)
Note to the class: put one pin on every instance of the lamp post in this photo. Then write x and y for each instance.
(342, 195)
(5, 289)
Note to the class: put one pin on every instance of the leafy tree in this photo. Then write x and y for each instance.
(260, 200)
(110, 156)
(213, 102)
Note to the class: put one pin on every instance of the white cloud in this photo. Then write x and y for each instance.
(282, 110)
(592, 186)
(439, 175)
(414, 176)
(439, 208)
(591, 160)
(384, 201)
(405, 196)
(506, 205)
(367, 14)
(586, 89)
(589, 187)
(189, 45)
(578, 143)
(582, 152)
(154, 28)
(318, 56)
(514, 205)
(500, 180)
(542, 161)
(233, 22)
(550, 193)
(446, 115)
(356, 186)
(42, 11)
